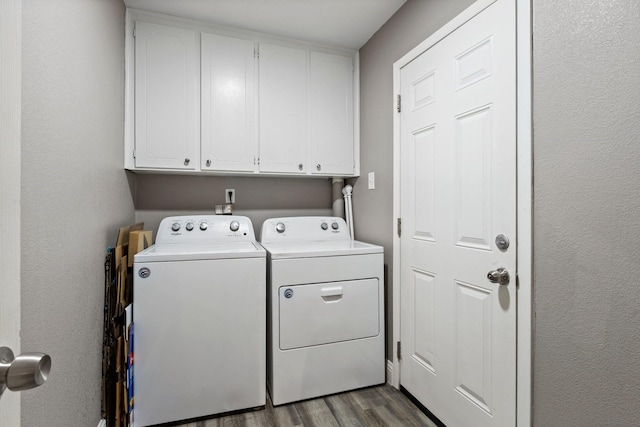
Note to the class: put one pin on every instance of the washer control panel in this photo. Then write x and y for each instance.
(304, 228)
(205, 229)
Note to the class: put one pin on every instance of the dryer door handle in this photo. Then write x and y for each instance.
(332, 293)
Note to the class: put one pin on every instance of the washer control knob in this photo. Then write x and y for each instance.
(280, 227)
(189, 226)
(234, 226)
(204, 226)
(334, 225)
(324, 226)
(175, 226)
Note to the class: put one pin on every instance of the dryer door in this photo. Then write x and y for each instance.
(324, 313)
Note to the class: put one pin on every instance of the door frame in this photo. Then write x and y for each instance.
(524, 197)
(10, 135)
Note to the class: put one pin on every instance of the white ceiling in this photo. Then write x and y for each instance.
(340, 23)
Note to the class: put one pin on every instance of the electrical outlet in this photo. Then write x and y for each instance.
(372, 180)
(229, 195)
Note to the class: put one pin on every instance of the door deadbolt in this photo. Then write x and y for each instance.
(500, 276)
(502, 242)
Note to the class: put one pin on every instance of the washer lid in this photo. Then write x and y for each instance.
(282, 250)
(193, 252)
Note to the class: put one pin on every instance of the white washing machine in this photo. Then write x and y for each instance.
(199, 315)
(325, 303)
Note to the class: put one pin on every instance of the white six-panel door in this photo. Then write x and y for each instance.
(458, 192)
(10, 137)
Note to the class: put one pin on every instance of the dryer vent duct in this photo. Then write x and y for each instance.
(348, 207)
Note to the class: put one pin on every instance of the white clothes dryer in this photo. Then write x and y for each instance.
(325, 303)
(199, 314)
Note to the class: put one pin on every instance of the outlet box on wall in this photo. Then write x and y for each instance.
(230, 195)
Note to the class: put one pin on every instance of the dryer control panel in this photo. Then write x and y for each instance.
(304, 228)
(205, 229)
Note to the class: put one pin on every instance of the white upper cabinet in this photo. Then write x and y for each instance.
(283, 109)
(331, 114)
(166, 97)
(204, 99)
(229, 131)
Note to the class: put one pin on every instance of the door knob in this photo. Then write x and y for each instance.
(26, 371)
(500, 276)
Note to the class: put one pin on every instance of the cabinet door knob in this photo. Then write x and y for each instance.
(186, 161)
(300, 166)
(208, 162)
(318, 166)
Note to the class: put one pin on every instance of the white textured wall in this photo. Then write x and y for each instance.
(75, 195)
(586, 212)
(373, 209)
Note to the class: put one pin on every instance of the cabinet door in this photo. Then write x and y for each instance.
(229, 138)
(283, 109)
(331, 115)
(166, 97)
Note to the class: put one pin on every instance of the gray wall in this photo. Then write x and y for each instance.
(587, 212)
(75, 195)
(373, 209)
(259, 198)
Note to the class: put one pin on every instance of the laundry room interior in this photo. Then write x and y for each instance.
(69, 182)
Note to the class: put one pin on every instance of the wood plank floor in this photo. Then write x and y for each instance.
(380, 406)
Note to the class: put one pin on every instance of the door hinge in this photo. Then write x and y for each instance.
(134, 30)
(399, 350)
(399, 103)
(399, 227)
(134, 154)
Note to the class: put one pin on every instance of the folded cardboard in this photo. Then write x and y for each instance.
(123, 233)
(138, 240)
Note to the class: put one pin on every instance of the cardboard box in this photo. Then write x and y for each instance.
(138, 240)
(123, 285)
(123, 233)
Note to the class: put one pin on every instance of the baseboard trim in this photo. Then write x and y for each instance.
(102, 423)
(389, 372)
